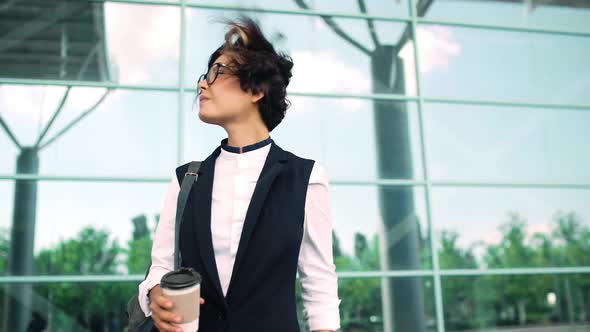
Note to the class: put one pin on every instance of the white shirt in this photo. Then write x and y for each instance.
(233, 185)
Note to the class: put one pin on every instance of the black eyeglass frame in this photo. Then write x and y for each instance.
(216, 66)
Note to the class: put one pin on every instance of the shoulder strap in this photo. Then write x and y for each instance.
(187, 182)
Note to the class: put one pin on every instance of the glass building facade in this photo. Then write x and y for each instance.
(455, 134)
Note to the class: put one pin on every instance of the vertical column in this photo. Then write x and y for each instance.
(18, 297)
(403, 299)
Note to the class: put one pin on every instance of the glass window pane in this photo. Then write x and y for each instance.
(152, 57)
(6, 216)
(507, 143)
(68, 306)
(388, 236)
(511, 228)
(500, 65)
(79, 40)
(355, 139)
(378, 7)
(560, 14)
(315, 48)
(86, 227)
(128, 133)
(525, 303)
(8, 155)
(409, 302)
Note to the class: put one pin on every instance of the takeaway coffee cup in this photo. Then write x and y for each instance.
(183, 288)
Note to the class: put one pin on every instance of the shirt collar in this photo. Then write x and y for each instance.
(245, 149)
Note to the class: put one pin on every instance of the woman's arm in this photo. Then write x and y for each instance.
(162, 247)
(316, 268)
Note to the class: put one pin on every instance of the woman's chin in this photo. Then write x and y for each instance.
(208, 118)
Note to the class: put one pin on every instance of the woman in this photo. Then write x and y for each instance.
(257, 214)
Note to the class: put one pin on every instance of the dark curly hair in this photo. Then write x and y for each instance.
(259, 67)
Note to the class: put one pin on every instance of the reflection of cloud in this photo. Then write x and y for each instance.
(25, 101)
(436, 51)
(324, 72)
(139, 36)
(28, 109)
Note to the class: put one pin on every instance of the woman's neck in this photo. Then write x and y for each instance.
(240, 136)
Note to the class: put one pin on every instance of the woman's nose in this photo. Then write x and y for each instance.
(202, 85)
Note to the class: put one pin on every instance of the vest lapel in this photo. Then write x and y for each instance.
(203, 198)
(271, 169)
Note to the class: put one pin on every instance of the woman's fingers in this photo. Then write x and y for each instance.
(202, 300)
(165, 326)
(163, 302)
(162, 315)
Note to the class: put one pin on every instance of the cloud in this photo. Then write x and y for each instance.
(437, 49)
(140, 36)
(27, 109)
(325, 72)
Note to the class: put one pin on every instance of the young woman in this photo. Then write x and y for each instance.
(257, 215)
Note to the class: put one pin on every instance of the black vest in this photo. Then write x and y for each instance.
(261, 293)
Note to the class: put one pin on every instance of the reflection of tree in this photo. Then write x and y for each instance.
(4, 247)
(402, 298)
(69, 307)
(516, 299)
(91, 252)
(469, 302)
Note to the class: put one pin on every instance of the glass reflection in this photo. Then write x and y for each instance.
(511, 228)
(531, 303)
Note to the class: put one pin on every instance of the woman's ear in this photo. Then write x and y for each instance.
(256, 97)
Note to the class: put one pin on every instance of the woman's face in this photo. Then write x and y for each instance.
(224, 102)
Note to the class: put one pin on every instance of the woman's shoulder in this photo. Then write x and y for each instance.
(318, 174)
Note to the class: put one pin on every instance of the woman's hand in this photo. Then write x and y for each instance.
(161, 311)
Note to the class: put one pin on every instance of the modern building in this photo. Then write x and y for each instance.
(455, 134)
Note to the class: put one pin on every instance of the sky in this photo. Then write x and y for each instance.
(134, 133)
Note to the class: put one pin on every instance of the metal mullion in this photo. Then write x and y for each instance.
(89, 84)
(511, 28)
(505, 103)
(369, 96)
(455, 23)
(36, 279)
(300, 12)
(335, 181)
(181, 68)
(516, 271)
(142, 2)
(438, 303)
(532, 185)
(64, 178)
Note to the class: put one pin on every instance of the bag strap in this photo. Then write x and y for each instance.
(190, 177)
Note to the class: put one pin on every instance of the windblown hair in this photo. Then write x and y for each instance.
(259, 67)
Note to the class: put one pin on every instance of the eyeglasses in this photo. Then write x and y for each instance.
(214, 72)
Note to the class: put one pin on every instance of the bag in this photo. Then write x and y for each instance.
(138, 322)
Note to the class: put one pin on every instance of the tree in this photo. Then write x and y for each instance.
(4, 248)
(459, 308)
(140, 246)
(91, 252)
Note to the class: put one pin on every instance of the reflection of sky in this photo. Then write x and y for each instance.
(134, 133)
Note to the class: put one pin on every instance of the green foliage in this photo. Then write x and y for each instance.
(4, 248)
(469, 302)
(478, 302)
